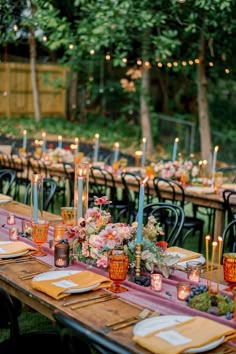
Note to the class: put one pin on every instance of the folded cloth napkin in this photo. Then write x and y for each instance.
(185, 255)
(194, 333)
(14, 247)
(56, 287)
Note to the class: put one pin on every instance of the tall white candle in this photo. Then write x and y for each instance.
(214, 161)
(116, 151)
(60, 141)
(44, 148)
(80, 196)
(76, 145)
(175, 148)
(140, 212)
(144, 147)
(96, 148)
(35, 200)
(24, 139)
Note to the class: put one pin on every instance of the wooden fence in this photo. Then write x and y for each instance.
(16, 97)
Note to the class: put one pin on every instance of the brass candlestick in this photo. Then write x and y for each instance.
(138, 259)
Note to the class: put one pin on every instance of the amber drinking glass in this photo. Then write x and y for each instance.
(229, 267)
(118, 269)
(68, 215)
(40, 235)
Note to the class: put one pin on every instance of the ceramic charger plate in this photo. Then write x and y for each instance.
(5, 199)
(63, 273)
(152, 324)
(12, 255)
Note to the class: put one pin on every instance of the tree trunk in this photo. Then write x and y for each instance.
(32, 47)
(204, 124)
(72, 101)
(145, 112)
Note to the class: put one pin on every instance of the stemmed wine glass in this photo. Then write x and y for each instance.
(118, 269)
(40, 235)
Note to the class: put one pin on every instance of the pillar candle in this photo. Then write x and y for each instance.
(140, 212)
(96, 148)
(214, 161)
(44, 148)
(80, 197)
(144, 146)
(214, 245)
(175, 148)
(60, 141)
(116, 152)
(24, 139)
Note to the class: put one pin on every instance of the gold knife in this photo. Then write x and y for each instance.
(108, 298)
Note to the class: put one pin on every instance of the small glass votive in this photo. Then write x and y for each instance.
(11, 219)
(156, 282)
(194, 269)
(26, 228)
(61, 254)
(59, 231)
(183, 290)
(13, 233)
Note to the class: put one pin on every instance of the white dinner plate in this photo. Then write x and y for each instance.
(152, 324)
(200, 259)
(13, 255)
(200, 189)
(5, 199)
(63, 273)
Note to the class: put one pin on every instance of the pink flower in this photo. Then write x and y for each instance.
(101, 201)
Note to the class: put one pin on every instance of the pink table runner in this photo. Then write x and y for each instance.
(144, 296)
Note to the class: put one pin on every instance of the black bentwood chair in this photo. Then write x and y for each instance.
(229, 238)
(75, 338)
(15, 341)
(171, 219)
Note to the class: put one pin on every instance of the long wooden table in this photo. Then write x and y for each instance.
(96, 316)
(214, 201)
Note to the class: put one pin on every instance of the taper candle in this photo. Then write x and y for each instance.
(76, 146)
(220, 240)
(207, 258)
(96, 148)
(214, 246)
(175, 148)
(35, 206)
(60, 141)
(144, 147)
(214, 161)
(44, 147)
(140, 211)
(24, 139)
(116, 152)
(80, 197)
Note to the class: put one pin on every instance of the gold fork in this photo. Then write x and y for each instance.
(128, 321)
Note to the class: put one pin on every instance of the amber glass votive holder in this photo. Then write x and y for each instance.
(156, 282)
(69, 215)
(61, 254)
(194, 270)
(183, 290)
(229, 268)
(118, 269)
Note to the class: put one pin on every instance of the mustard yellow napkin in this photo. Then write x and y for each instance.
(194, 333)
(14, 247)
(186, 255)
(56, 287)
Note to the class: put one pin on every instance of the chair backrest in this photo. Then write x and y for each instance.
(77, 338)
(229, 238)
(174, 188)
(7, 180)
(170, 217)
(49, 189)
(98, 182)
(229, 197)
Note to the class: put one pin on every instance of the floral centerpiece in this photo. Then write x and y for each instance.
(174, 169)
(58, 155)
(95, 236)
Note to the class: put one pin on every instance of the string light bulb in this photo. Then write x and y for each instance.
(124, 60)
(108, 57)
(159, 65)
(139, 62)
(71, 46)
(92, 51)
(15, 28)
